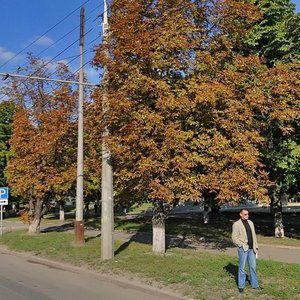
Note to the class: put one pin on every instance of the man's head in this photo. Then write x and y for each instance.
(244, 214)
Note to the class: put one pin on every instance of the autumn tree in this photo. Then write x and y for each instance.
(43, 140)
(181, 123)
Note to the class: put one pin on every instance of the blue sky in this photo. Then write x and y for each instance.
(24, 21)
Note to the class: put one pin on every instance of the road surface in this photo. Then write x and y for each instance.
(28, 278)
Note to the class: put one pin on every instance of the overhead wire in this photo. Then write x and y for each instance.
(74, 57)
(64, 50)
(65, 35)
(47, 31)
(48, 62)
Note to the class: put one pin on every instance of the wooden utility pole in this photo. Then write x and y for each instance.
(107, 205)
(79, 224)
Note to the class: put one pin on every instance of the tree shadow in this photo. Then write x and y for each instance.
(138, 237)
(59, 228)
(172, 241)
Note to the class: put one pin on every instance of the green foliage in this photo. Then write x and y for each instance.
(284, 164)
(276, 36)
(7, 111)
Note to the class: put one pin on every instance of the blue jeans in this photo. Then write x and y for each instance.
(251, 258)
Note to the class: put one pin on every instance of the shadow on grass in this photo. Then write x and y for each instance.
(232, 270)
(172, 241)
(59, 228)
(89, 238)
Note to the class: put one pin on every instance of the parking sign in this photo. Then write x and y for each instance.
(3, 193)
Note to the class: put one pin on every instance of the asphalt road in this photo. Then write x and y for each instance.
(24, 277)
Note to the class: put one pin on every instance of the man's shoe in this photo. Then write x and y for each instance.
(241, 290)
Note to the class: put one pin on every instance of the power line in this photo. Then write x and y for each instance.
(64, 50)
(62, 37)
(31, 76)
(74, 57)
(98, 6)
(4, 64)
(67, 33)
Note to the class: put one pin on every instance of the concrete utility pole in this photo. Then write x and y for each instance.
(107, 205)
(79, 224)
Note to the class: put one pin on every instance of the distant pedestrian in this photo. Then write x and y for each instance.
(244, 237)
(124, 210)
(206, 213)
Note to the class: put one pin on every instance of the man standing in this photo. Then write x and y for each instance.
(244, 237)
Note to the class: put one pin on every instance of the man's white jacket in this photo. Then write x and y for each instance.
(239, 235)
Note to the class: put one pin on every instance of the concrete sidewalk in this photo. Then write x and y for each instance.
(282, 253)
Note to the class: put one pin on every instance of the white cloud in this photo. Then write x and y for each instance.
(5, 55)
(92, 75)
(43, 41)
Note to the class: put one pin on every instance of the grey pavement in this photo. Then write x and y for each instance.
(287, 254)
(27, 277)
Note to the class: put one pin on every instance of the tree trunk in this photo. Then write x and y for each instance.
(278, 221)
(158, 227)
(61, 212)
(159, 242)
(34, 226)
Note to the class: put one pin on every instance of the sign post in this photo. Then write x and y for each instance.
(3, 201)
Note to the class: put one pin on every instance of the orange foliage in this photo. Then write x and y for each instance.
(43, 140)
(167, 121)
(186, 109)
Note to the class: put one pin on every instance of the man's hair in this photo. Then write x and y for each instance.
(243, 209)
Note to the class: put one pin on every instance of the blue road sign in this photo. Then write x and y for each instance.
(3, 193)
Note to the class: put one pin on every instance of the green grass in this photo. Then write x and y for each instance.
(140, 208)
(197, 274)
